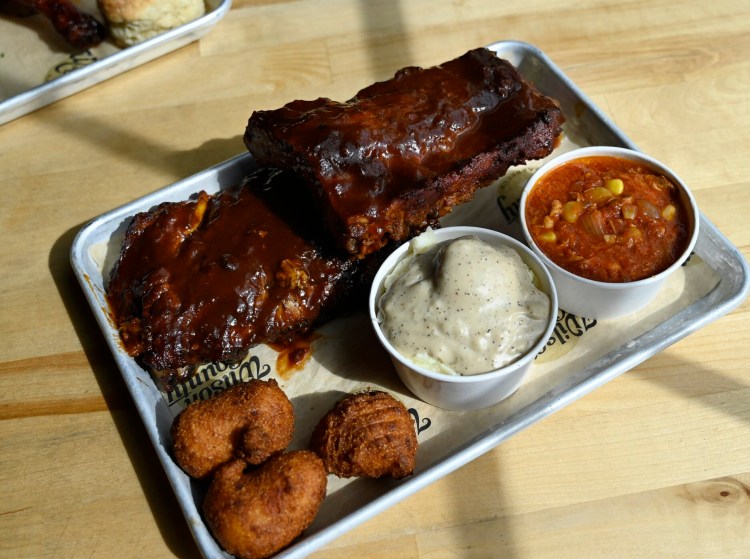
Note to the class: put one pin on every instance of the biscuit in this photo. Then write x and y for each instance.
(133, 21)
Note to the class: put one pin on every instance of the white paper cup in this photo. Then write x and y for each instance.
(464, 392)
(602, 300)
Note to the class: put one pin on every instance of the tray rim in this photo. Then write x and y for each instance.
(112, 65)
(728, 294)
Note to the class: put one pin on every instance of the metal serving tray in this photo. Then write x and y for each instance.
(112, 64)
(345, 513)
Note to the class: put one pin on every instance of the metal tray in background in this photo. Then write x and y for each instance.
(715, 250)
(113, 64)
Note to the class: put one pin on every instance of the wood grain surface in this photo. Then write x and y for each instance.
(654, 464)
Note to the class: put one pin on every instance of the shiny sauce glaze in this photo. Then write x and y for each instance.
(608, 219)
(203, 280)
(395, 140)
(396, 134)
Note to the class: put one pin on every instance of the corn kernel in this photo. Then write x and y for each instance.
(597, 194)
(548, 236)
(634, 233)
(571, 211)
(629, 212)
(669, 212)
(615, 186)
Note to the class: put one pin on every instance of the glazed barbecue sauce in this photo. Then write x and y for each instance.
(204, 280)
(403, 152)
(372, 149)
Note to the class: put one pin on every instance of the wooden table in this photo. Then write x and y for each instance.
(654, 464)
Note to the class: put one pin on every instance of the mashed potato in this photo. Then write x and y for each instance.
(462, 306)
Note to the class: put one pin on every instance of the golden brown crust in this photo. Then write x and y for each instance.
(367, 434)
(133, 21)
(251, 420)
(123, 10)
(255, 513)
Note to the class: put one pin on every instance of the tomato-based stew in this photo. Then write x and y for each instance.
(608, 219)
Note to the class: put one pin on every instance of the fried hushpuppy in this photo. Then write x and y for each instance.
(366, 434)
(251, 420)
(255, 512)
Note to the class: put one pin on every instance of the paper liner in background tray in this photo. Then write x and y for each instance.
(580, 356)
(38, 67)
